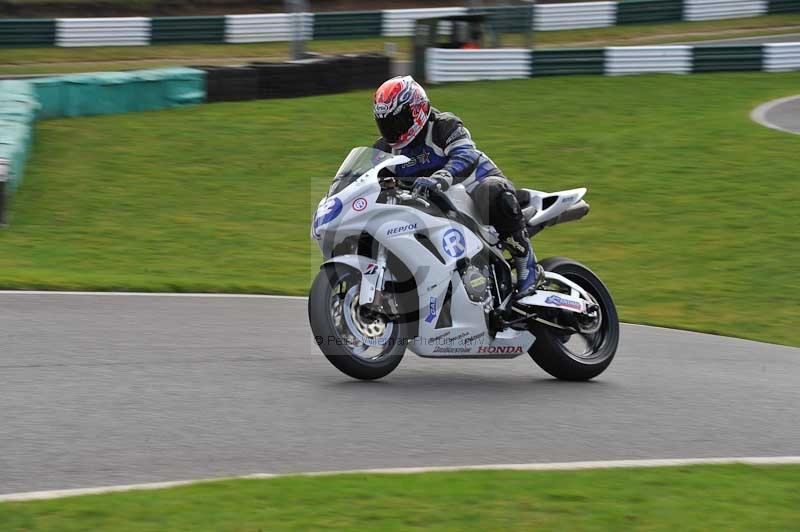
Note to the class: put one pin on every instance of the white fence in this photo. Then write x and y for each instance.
(400, 22)
(781, 57)
(719, 9)
(622, 60)
(128, 31)
(267, 28)
(443, 65)
(574, 16)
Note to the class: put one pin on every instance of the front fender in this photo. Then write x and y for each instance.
(370, 272)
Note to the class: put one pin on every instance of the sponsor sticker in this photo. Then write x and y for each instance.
(566, 303)
(359, 204)
(500, 349)
(401, 229)
(453, 243)
(431, 310)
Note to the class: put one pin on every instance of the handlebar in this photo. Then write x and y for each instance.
(390, 184)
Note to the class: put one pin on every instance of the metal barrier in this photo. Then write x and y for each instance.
(348, 24)
(470, 65)
(783, 6)
(444, 65)
(726, 58)
(21, 32)
(574, 16)
(646, 11)
(719, 9)
(265, 28)
(387, 23)
(781, 57)
(400, 22)
(187, 30)
(128, 31)
(648, 59)
(567, 61)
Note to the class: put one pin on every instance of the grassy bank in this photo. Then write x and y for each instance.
(692, 216)
(685, 498)
(59, 60)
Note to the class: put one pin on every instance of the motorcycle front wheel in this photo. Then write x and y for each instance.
(578, 356)
(357, 341)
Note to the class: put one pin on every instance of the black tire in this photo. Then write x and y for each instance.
(549, 350)
(329, 338)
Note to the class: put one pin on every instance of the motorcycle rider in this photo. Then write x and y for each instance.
(443, 154)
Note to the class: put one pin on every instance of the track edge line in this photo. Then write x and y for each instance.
(541, 466)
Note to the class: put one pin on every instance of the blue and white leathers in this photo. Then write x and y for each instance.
(444, 144)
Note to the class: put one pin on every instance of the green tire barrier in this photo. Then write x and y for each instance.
(22, 102)
(647, 11)
(20, 32)
(348, 24)
(18, 108)
(567, 61)
(187, 30)
(783, 6)
(726, 58)
(119, 92)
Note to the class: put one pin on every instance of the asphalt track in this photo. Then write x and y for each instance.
(102, 390)
(782, 114)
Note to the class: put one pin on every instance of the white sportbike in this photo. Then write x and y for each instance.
(424, 273)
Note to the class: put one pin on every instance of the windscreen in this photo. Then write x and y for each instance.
(357, 163)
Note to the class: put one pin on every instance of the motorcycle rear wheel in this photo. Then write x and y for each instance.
(359, 345)
(554, 349)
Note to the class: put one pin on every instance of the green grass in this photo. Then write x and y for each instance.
(57, 60)
(727, 498)
(694, 207)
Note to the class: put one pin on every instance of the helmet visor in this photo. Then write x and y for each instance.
(392, 126)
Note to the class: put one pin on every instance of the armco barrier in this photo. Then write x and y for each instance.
(574, 16)
(781, 57)
(444, 65)
(266, 28)
(720, 9)
(128, 31)
(348, 24)
(508, 19)
(625, 60)
(726, 58)
(567, 61)
(188, 30)
(17, 32)
(783, 6)
(387, 23)
(400, 22)
(642, 11)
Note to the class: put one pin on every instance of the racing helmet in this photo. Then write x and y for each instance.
(401, 110)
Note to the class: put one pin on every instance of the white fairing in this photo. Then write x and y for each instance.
(355, 209)
(558, 203)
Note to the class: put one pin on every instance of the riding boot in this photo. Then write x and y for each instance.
(528, 274)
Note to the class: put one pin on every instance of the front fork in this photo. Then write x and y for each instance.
(373, 280)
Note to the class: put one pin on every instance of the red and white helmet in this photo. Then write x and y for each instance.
(401, 110)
